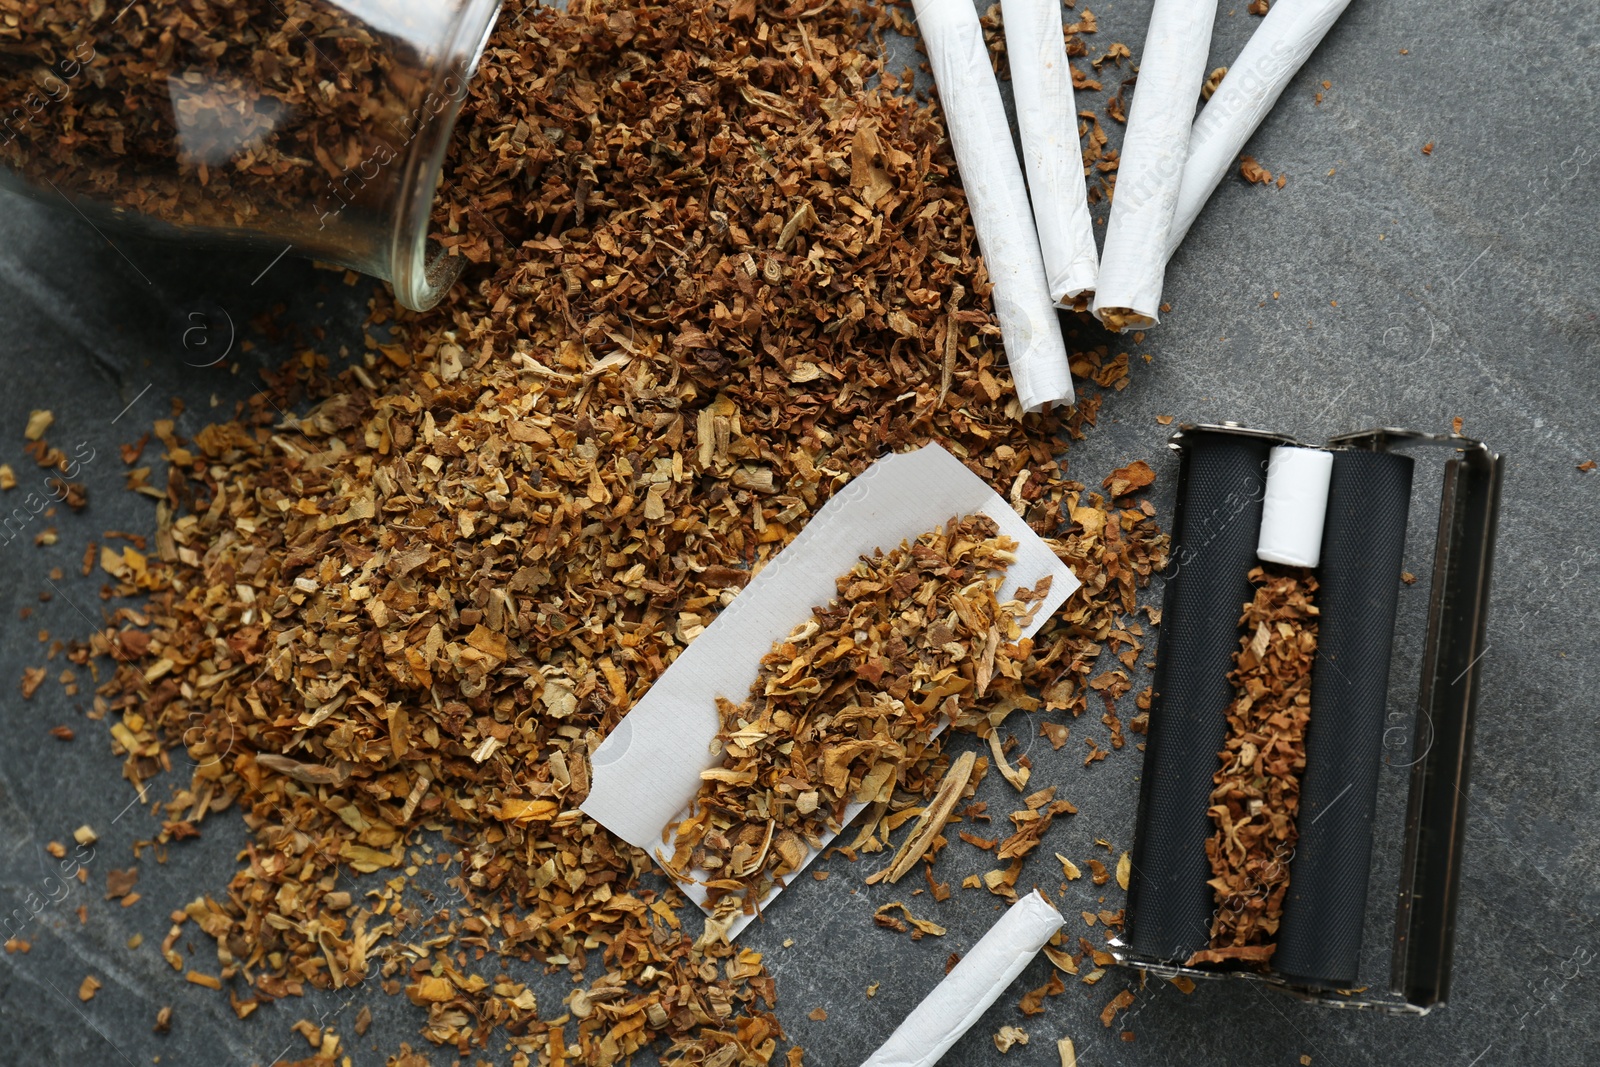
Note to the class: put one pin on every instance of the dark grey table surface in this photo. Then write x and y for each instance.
(1381, 286)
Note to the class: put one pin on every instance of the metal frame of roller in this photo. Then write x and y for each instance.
(1167, 883)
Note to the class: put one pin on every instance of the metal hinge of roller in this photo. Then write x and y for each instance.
(1215, 527)
(1369, 496)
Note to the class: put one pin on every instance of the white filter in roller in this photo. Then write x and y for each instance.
(1295, 505)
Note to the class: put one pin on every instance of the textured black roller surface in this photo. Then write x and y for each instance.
(1319, 942)
(1216, 524)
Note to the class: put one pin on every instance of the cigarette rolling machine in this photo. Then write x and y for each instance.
(1248, 495)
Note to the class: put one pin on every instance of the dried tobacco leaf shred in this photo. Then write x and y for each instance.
(1257, 795)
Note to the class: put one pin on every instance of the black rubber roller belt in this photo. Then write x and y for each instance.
(1319, 941)
(1215, 526)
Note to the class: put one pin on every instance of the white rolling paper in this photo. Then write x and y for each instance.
(968, 990)
(1047, 115)
(1295, 505)
(1171, 69)
(647, 770)
(1279, 47)
(998, 200)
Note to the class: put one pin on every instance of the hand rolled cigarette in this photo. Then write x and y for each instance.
(1171, 69)
(1041, 85)
(1278, 48)
(998, 200)
(968, 990)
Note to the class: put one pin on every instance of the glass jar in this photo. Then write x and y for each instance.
(312, 126)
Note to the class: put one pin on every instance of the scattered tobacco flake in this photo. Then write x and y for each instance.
(1115, 54)
(1427, 149)
(1258, 7)
(63, 733)
(1124, 480)
(88, 988)
(1008, 1037)
(1257, 795)
(1120, 1002)
(163, 1020)
(1087, 23)
(1587, 465)
(120, 883)
(1254, 172)
(1054, 732)
(73, 494)
(1031, 824)
(38, 422)
(1032, 1002)
(918, 928)
(1062, 960)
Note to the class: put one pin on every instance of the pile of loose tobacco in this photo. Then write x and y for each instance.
(1257, 798)
(844, 711)
(722, 275)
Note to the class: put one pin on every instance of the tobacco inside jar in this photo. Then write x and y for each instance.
(316, 125)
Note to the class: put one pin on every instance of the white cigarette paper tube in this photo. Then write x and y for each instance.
(1047, 115)
(998, 200)
(1295, 505)
(1278, 48)
(1171, 69)
(968, 990)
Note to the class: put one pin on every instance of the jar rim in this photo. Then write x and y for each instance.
(420, 280)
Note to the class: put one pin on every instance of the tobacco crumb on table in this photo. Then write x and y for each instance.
(1008, 1037)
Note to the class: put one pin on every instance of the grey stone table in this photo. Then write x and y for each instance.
(1380, 286)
